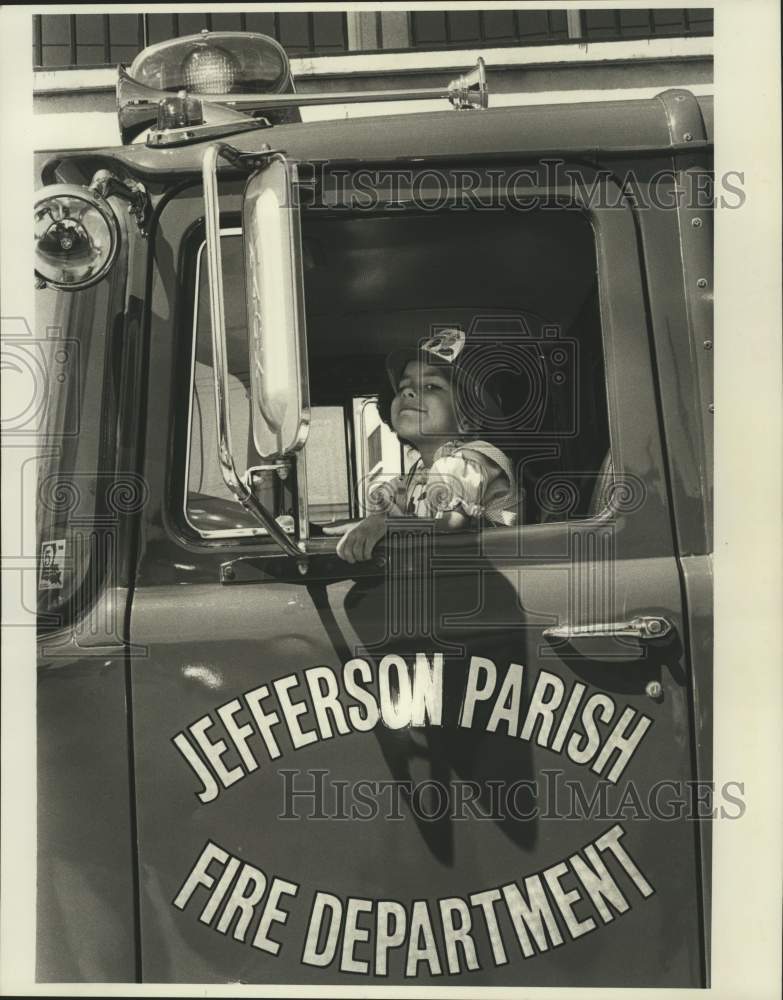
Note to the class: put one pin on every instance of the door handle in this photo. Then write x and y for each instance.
(641, 628)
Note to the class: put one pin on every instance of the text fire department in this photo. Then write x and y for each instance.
(448, 935)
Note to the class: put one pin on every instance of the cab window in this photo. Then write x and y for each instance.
(522, 283)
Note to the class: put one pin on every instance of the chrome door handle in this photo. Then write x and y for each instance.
(644, 627)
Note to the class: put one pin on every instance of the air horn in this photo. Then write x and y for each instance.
(138, 105)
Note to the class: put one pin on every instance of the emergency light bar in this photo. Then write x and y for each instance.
(224, 62)
(198, 87)
(164, 84)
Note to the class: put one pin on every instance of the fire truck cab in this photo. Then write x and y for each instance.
(471, 758)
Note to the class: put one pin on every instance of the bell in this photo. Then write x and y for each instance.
(470, 90)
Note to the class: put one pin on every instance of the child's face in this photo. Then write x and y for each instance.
(423, 408)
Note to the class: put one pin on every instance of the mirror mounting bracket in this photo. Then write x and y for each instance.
(248, 162)
(104, 184)
(282, 468)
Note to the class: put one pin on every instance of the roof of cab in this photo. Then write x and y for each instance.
(602, 128)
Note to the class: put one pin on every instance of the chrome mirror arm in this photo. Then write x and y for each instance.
(238, 484)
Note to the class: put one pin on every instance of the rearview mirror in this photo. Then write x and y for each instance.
(280, 402)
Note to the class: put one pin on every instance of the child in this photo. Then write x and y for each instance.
(459, 480)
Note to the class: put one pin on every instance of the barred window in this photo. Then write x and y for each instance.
(81, 40)
(444, 29)
(76, 40)
(459, 28)
(607, 25)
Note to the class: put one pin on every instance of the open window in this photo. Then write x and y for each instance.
(379, 280)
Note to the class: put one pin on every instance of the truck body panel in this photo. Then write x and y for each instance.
(205, 620)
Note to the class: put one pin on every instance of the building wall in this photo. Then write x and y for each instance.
(531, 57)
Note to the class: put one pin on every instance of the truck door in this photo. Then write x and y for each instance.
(297, 730)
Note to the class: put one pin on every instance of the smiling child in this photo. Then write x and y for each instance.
(459, 480)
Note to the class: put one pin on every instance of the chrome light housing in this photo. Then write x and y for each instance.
(214, 62)
(76, 236)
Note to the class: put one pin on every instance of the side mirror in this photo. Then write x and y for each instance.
(280, 402)
(277, 346)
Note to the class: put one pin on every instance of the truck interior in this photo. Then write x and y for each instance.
(381, 280)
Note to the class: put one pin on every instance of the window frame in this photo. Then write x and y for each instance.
(215, 533)
(300, 503)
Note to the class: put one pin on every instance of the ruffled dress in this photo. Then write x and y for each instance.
(473, 478)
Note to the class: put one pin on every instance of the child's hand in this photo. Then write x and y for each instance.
(357, 544)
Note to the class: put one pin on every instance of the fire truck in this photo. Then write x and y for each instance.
(478, 757)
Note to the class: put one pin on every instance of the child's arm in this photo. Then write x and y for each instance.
(457, 488)
(451, 520)
(357, 544)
